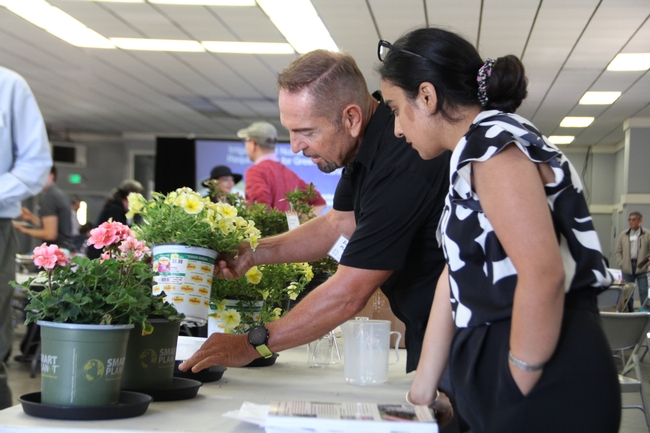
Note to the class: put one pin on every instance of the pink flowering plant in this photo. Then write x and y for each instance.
(114, 289)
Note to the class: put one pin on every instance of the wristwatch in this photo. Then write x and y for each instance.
(258, 337)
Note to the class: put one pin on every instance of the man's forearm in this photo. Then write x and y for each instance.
(311, 241)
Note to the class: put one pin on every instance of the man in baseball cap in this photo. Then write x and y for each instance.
(267, 180)
(262, 133)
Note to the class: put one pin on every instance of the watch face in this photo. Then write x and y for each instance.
(258, 335)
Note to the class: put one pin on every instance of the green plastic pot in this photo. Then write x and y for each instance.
(150, 358)
(82, 365)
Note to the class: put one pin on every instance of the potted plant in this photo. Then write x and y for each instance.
(259, 297)
(272, 222)
(85, 310)
(187, 233)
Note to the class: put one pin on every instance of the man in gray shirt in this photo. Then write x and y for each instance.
(52, 224)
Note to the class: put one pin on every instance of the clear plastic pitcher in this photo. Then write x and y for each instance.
(365, 350)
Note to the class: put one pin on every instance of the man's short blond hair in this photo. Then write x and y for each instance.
(333, 80)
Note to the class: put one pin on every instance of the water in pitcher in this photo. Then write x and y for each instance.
(366, 347)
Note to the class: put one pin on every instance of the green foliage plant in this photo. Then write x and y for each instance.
(114, 289)
(273, 285)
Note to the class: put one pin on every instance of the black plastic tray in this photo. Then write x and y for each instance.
(210, 374)
(181, 389)
(131, 404)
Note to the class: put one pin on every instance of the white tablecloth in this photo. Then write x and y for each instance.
(289, 379)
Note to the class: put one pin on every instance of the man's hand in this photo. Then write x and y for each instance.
(27, 215)
(227, 350)
(235, 267)
(19, 227)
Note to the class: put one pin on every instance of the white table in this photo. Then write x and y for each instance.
(288, 379)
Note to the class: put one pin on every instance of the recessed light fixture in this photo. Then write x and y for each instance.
(53, 20)
(248, 47)
(599, 98)
(561, 139)
(299, 23)
(576, 122)
(157, 44)
(630, 62)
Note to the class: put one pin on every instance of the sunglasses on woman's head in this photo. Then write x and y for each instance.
(384, 46)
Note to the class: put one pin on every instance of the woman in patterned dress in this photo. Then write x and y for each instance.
(514, 313)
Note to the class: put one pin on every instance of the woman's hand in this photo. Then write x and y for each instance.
(525, 380)
(439, 403)
(443, 410)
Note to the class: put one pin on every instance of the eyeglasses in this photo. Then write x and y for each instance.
(383, 47)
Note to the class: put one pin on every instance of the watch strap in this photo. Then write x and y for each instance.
(264, 351)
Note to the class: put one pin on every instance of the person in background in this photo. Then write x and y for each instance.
(115, 208)
(81, 240)
(632, 247)
(75, 202)
(267, 180)
(24, 166)
(387, 204)
(226, 180)
(514, 314)
(52, 224)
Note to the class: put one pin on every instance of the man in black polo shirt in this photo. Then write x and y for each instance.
(387, 204)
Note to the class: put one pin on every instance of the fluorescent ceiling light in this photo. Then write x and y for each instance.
(157, 44)
(576, 122)
(300, 24)
(205, 2)
(599, 98)
(630, 62)
(117, 1)
(561, 139)
(187, 2)
(53, 20)
(248, 47)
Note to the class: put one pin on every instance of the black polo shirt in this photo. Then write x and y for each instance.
(397, 199)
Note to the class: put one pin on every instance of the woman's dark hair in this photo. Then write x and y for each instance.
(451, 64)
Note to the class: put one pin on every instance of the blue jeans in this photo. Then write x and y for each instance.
(641, 282)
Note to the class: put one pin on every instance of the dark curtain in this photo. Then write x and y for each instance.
(175, 164)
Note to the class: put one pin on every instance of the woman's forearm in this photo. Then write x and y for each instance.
(435, 348)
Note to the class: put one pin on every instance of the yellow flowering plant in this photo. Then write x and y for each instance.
(273, 285)
(184, 217)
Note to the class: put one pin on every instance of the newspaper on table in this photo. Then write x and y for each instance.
(326, 417)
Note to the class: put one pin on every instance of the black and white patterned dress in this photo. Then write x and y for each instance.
(482, 277)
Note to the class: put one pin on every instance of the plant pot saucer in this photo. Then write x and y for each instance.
(131, 404)
(263, 362)
(181, 389)
(210, 374)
